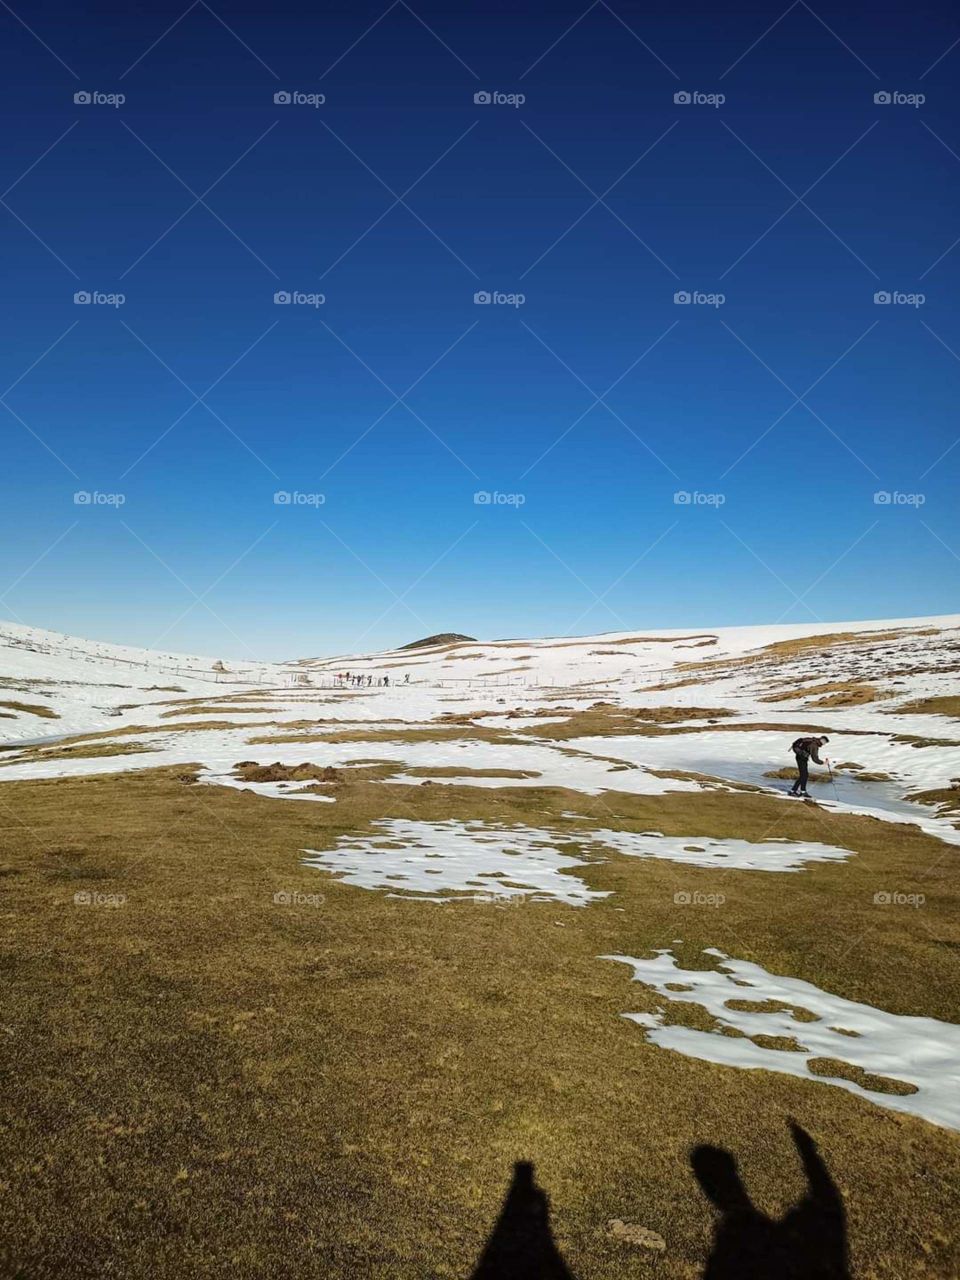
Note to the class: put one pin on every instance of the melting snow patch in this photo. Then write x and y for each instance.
(920, 1056)
(274, 790)
(703, 851)
(439, 860)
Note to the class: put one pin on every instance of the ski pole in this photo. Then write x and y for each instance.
(836, 793)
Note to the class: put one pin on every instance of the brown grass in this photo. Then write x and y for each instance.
(606, 720)
(32, 709)
(437, 733)
(914, 740)
(249, 771)
(81, 751)
(866, 1079)
(457, 771)
(202, 1084)
(834, 693)
(802, 646)
(945, 705)
(945, 799)
(218, 709)
(570, 644)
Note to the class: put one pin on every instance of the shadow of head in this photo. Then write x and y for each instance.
(807, 1243)
(521, 1245)
(716, 1171)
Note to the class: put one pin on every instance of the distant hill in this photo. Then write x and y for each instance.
(444, 637)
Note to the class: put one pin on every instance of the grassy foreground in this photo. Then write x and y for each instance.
(201, 1082)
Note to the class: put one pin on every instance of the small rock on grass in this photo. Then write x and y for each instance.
(633, 1233)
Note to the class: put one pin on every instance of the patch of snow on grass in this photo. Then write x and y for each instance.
(437, 860)
(704, 851)
(921, 1053)
(273, 790)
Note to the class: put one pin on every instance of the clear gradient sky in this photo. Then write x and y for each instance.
(784, 410)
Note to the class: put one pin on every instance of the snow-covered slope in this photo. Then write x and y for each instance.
(614, 656)
(859, 681)
(82, 683)
(85, 681)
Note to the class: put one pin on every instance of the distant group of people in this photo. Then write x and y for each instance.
(358, 680)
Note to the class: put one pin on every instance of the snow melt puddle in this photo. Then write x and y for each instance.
(921, 1056)
(738, 855)
(747, 757)
(436, 860)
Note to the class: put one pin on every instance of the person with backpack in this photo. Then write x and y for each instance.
(805, 750)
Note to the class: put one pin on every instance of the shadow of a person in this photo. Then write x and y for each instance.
(808, 1243)
(521, 1245)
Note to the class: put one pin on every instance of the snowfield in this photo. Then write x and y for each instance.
(53, 687)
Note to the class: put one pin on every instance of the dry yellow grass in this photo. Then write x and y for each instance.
(802, 647)
(833, 693)
(437, 733)
(945, 705)
(32, 709)
(200, 1083)
(83, 751)
(945, 799)
(626, 640)
(606, 719)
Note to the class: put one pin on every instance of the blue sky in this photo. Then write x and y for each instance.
(587, 407)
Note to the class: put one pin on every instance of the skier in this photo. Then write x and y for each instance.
(805, 750)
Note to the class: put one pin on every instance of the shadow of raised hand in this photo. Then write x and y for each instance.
(807, 1243)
